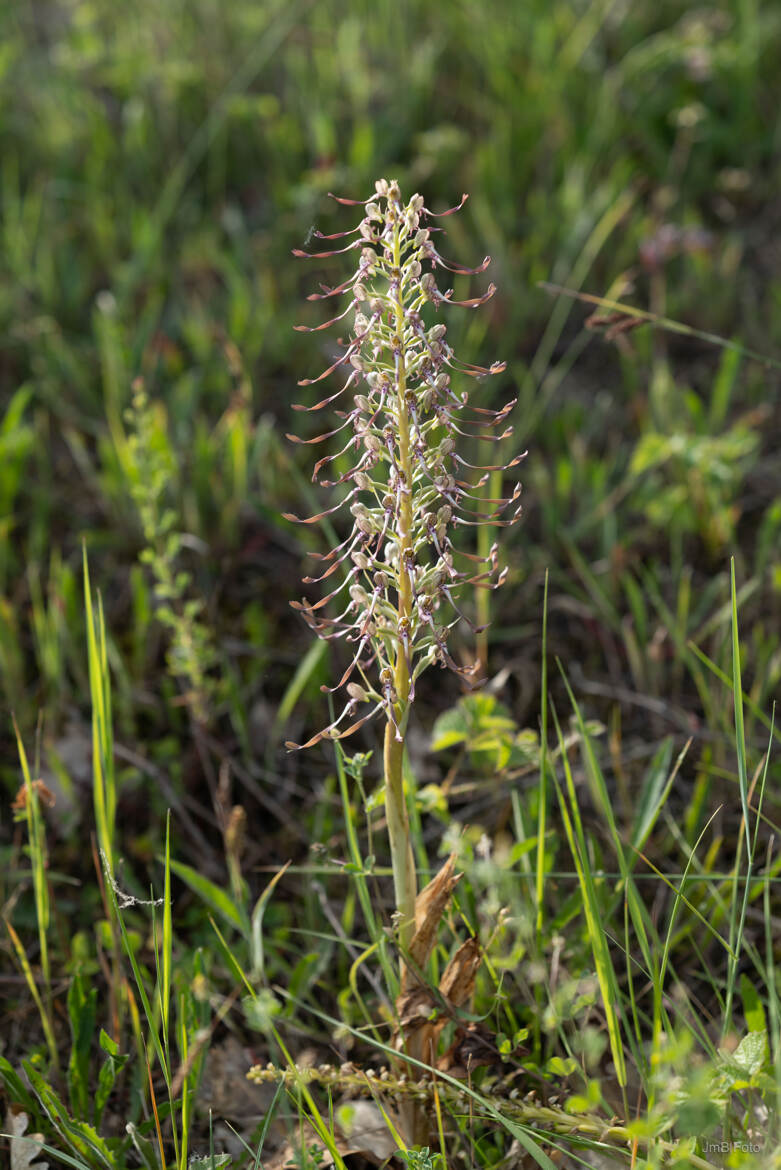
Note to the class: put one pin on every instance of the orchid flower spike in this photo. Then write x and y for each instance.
(401, 571)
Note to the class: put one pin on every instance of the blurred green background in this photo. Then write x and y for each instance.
(158, 163)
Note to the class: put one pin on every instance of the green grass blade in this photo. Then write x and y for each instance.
(138, 977)
(256, 923)
(542, 798)
(740, 736)
(213, 895)
(167, 951)
(46, 1023)
(748, 702)
(233, 963)
(103, 777)
(298, 683)
(376, 934)
(601, 953)
(738, 917)
(37, 840)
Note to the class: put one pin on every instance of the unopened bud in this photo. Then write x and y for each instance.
(357, 693)
(428, 285)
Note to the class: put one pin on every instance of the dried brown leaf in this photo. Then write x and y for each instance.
(419, 1026)
(429, 908)
(458, 979)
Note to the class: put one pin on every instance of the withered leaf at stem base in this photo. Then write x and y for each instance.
(458, 979)
(429, 908)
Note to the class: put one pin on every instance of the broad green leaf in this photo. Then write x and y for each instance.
(82, 1012)
(753, 1009)
(449, 729)
(82, 1138)
(750, 1053)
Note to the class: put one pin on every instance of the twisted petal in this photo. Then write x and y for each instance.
(450, 210)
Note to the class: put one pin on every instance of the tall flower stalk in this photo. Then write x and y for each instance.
(408, 490)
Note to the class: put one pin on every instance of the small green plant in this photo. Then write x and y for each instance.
(191, 652)
(400, 568)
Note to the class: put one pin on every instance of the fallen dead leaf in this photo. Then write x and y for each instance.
(361, 1137)
(366, 1130)
(24, 1150)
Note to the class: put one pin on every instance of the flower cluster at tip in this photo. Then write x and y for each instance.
(407, 488)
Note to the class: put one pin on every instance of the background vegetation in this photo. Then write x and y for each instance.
(158, 163)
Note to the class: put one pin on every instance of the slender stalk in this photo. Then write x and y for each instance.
(402, 861)
(404, 876)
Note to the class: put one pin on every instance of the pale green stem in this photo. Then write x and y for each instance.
(402, 861)
(404, 877)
